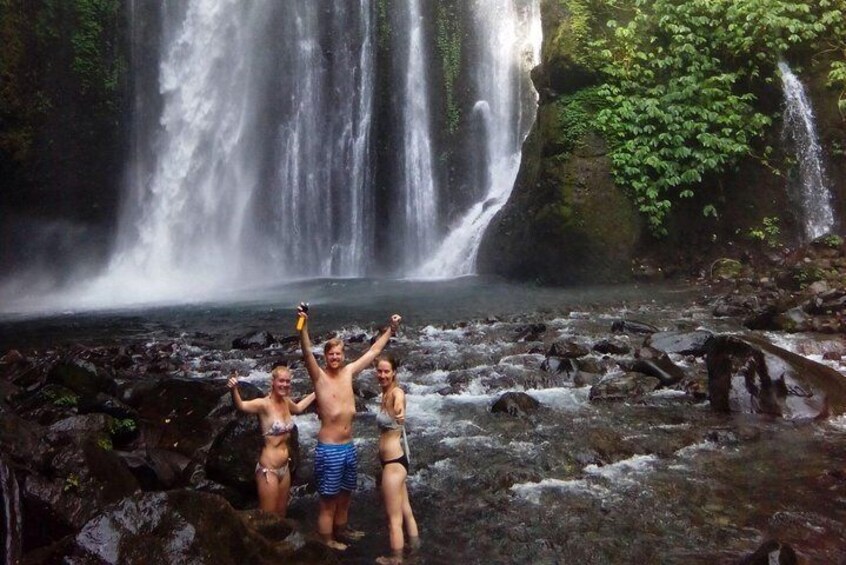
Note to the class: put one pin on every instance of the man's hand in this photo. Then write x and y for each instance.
(395, 322)
(233, 380)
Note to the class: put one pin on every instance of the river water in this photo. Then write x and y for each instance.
(661, 480)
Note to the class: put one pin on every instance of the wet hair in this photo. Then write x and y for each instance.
(278, 369)
(389, 359)
(334, 342)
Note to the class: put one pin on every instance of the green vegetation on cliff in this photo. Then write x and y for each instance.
(62, 70)
(448, 42)
(680, 81)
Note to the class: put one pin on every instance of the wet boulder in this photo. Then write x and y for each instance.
(179, 526)
(80, 478)
(234, 453)
(82, 377)
(611, 347)
(749, 374)
(176, 413)
(659, 365)
(628, 386)
(365, 386)
(529, 332)
(254, 340)
(772, 552)
(515, 404)
(567, 349)
(633, 327)
(683, 343)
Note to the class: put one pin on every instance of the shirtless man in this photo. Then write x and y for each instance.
(335, 458)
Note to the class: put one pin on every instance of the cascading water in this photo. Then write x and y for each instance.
(254, 149)
(418, 191)
(324, 222)
(510, 38)
(800, 131)
(12, 514)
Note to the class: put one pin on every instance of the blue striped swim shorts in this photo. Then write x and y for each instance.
(335, 467)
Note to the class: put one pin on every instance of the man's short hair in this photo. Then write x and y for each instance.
(332, 343)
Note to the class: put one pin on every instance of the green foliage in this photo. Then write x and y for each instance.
(768, 232)
(575, 116)
(94, 61)
(121, 426)
(72, 482)
(61, 398)
(832, 240)
(448, 41)
(679, 86)
(105, 443)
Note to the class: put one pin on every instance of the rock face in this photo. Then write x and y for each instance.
(171, 527)
(751, 375)
(515, 404)
(566, 222)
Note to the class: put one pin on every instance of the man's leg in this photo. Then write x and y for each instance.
(327, 473)
(348, 484)
(325, 519)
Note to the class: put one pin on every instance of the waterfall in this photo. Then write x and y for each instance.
(800, 132)
(253, 148)
(12, 514)
(419, 214)
(510, 39)
(324, 222)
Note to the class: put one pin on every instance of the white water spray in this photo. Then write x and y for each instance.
(510, 35)
(418, 179)
(800, 130)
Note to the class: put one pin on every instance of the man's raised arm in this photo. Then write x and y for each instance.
(305, 344)
(370, 355)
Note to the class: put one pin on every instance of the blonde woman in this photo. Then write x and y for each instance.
(394, 457)
(273, 478)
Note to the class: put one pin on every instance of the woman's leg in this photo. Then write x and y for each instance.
(282, 495)
(393, 478)
(268, 490)
(408, 517)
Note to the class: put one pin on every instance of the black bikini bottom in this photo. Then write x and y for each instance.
(401, 460)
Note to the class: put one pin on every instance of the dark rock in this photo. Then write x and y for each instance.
(735, 305)
(592, 365)
(632, 327)
(174, 412)
(661, 368)
(366, 386)
(762, 318)
(179, 526)
(106, 404)
(772, 553)
(568, 349)
(254, 340)
(530, 332)
(515, 404)
(82, 377)
(683, 343)
(749, 374)
(611, 347)
(623, 387)
(82, 478)
(555, 366)
(234, 453)
(586, 379)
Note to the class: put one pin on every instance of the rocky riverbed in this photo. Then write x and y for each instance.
(618, 432)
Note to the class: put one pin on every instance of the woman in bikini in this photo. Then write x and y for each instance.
(393, 455)
(273, 478)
